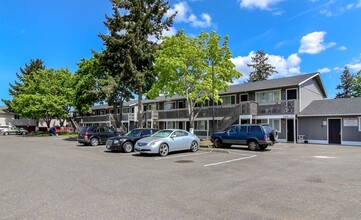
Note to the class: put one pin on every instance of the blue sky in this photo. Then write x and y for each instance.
(299, 36)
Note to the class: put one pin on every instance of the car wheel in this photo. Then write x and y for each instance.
(163, 150)
(253, 145)
(128, 147)
(23, 133)
(217, 143)
(94, 142)
(194, 146)
(263, 147)
(6, 133)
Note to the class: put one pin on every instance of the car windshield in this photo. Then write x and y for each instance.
(162, 134)
(133, 133)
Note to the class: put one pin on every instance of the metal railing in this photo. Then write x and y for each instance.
(278, 108)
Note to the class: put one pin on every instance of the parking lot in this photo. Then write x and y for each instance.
(56, 178)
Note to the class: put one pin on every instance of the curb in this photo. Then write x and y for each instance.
(211, 149)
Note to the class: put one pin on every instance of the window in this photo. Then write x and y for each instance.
(228, 100)
(125, 110)
(254, 129)
(268, 96)
(275, 124)
(168, 105)
(152, 107)
(170, 124)
(359, 123)
(145, 132)
(200, 125)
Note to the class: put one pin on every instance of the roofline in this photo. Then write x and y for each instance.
(320, 82)
(318, 115)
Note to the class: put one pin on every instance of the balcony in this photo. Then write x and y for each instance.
(246, 108)
(278, 108)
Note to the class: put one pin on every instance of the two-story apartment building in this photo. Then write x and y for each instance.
(276, 102)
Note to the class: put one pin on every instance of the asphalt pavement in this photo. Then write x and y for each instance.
(56, 178)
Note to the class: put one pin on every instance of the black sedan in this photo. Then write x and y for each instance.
(126, 143)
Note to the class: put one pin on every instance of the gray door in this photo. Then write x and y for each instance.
(334, 131)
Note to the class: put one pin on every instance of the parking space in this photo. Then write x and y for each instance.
(53, 177)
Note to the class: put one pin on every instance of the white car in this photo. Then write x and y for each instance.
(165, 141)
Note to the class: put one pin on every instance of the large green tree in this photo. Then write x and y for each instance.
(346, 86)
(86, 88)
(46, 95)
(262, 69)
(357, 84)
(26, 72)
(185, 64)
(128, 55)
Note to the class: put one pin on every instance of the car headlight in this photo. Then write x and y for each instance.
(153, 143)
(116, 141)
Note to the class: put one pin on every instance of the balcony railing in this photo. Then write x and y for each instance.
(278, 108)
(247, 108)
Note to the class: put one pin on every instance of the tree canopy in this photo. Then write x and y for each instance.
(357, 84)
(47, 94)
(26, 72)
(128, 56)
(262, 69)
(346, 86)
(184, 67)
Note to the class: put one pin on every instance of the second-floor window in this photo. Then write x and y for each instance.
(228, 100)
(169, 105)
(268, 96)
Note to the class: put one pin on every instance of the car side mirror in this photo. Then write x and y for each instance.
(173, 136)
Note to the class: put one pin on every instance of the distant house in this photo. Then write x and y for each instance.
(7, 118)
(332, 121)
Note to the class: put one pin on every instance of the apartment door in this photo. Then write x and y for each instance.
(290, 130)
(334, 131)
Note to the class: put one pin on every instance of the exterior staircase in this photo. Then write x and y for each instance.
(249, 108)
(121, 129)
(75, 125)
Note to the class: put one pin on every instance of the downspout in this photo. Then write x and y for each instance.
(294, 129)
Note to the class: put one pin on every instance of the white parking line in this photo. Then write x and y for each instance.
(229, 161)
(185, 155)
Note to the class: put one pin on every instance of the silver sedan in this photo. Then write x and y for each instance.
(165, 141)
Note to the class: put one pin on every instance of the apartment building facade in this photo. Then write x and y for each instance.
(276, 102)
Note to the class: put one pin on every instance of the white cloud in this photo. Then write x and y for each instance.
(165, 33)
(355, 67)
(358, 4)
(261, 4)
(342, 48)
(324, 70)
(313, 43)
(284, 67)
(184, 14)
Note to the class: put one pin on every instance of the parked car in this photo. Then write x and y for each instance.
(256, 136)
(126, 143)
(165, 141)
(95, 135)
(10, 129)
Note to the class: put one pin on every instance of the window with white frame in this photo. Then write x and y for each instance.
(168, 105)
(200, 125)
(170, 124)
(268, 96)
(228, 100)
(276, 124)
